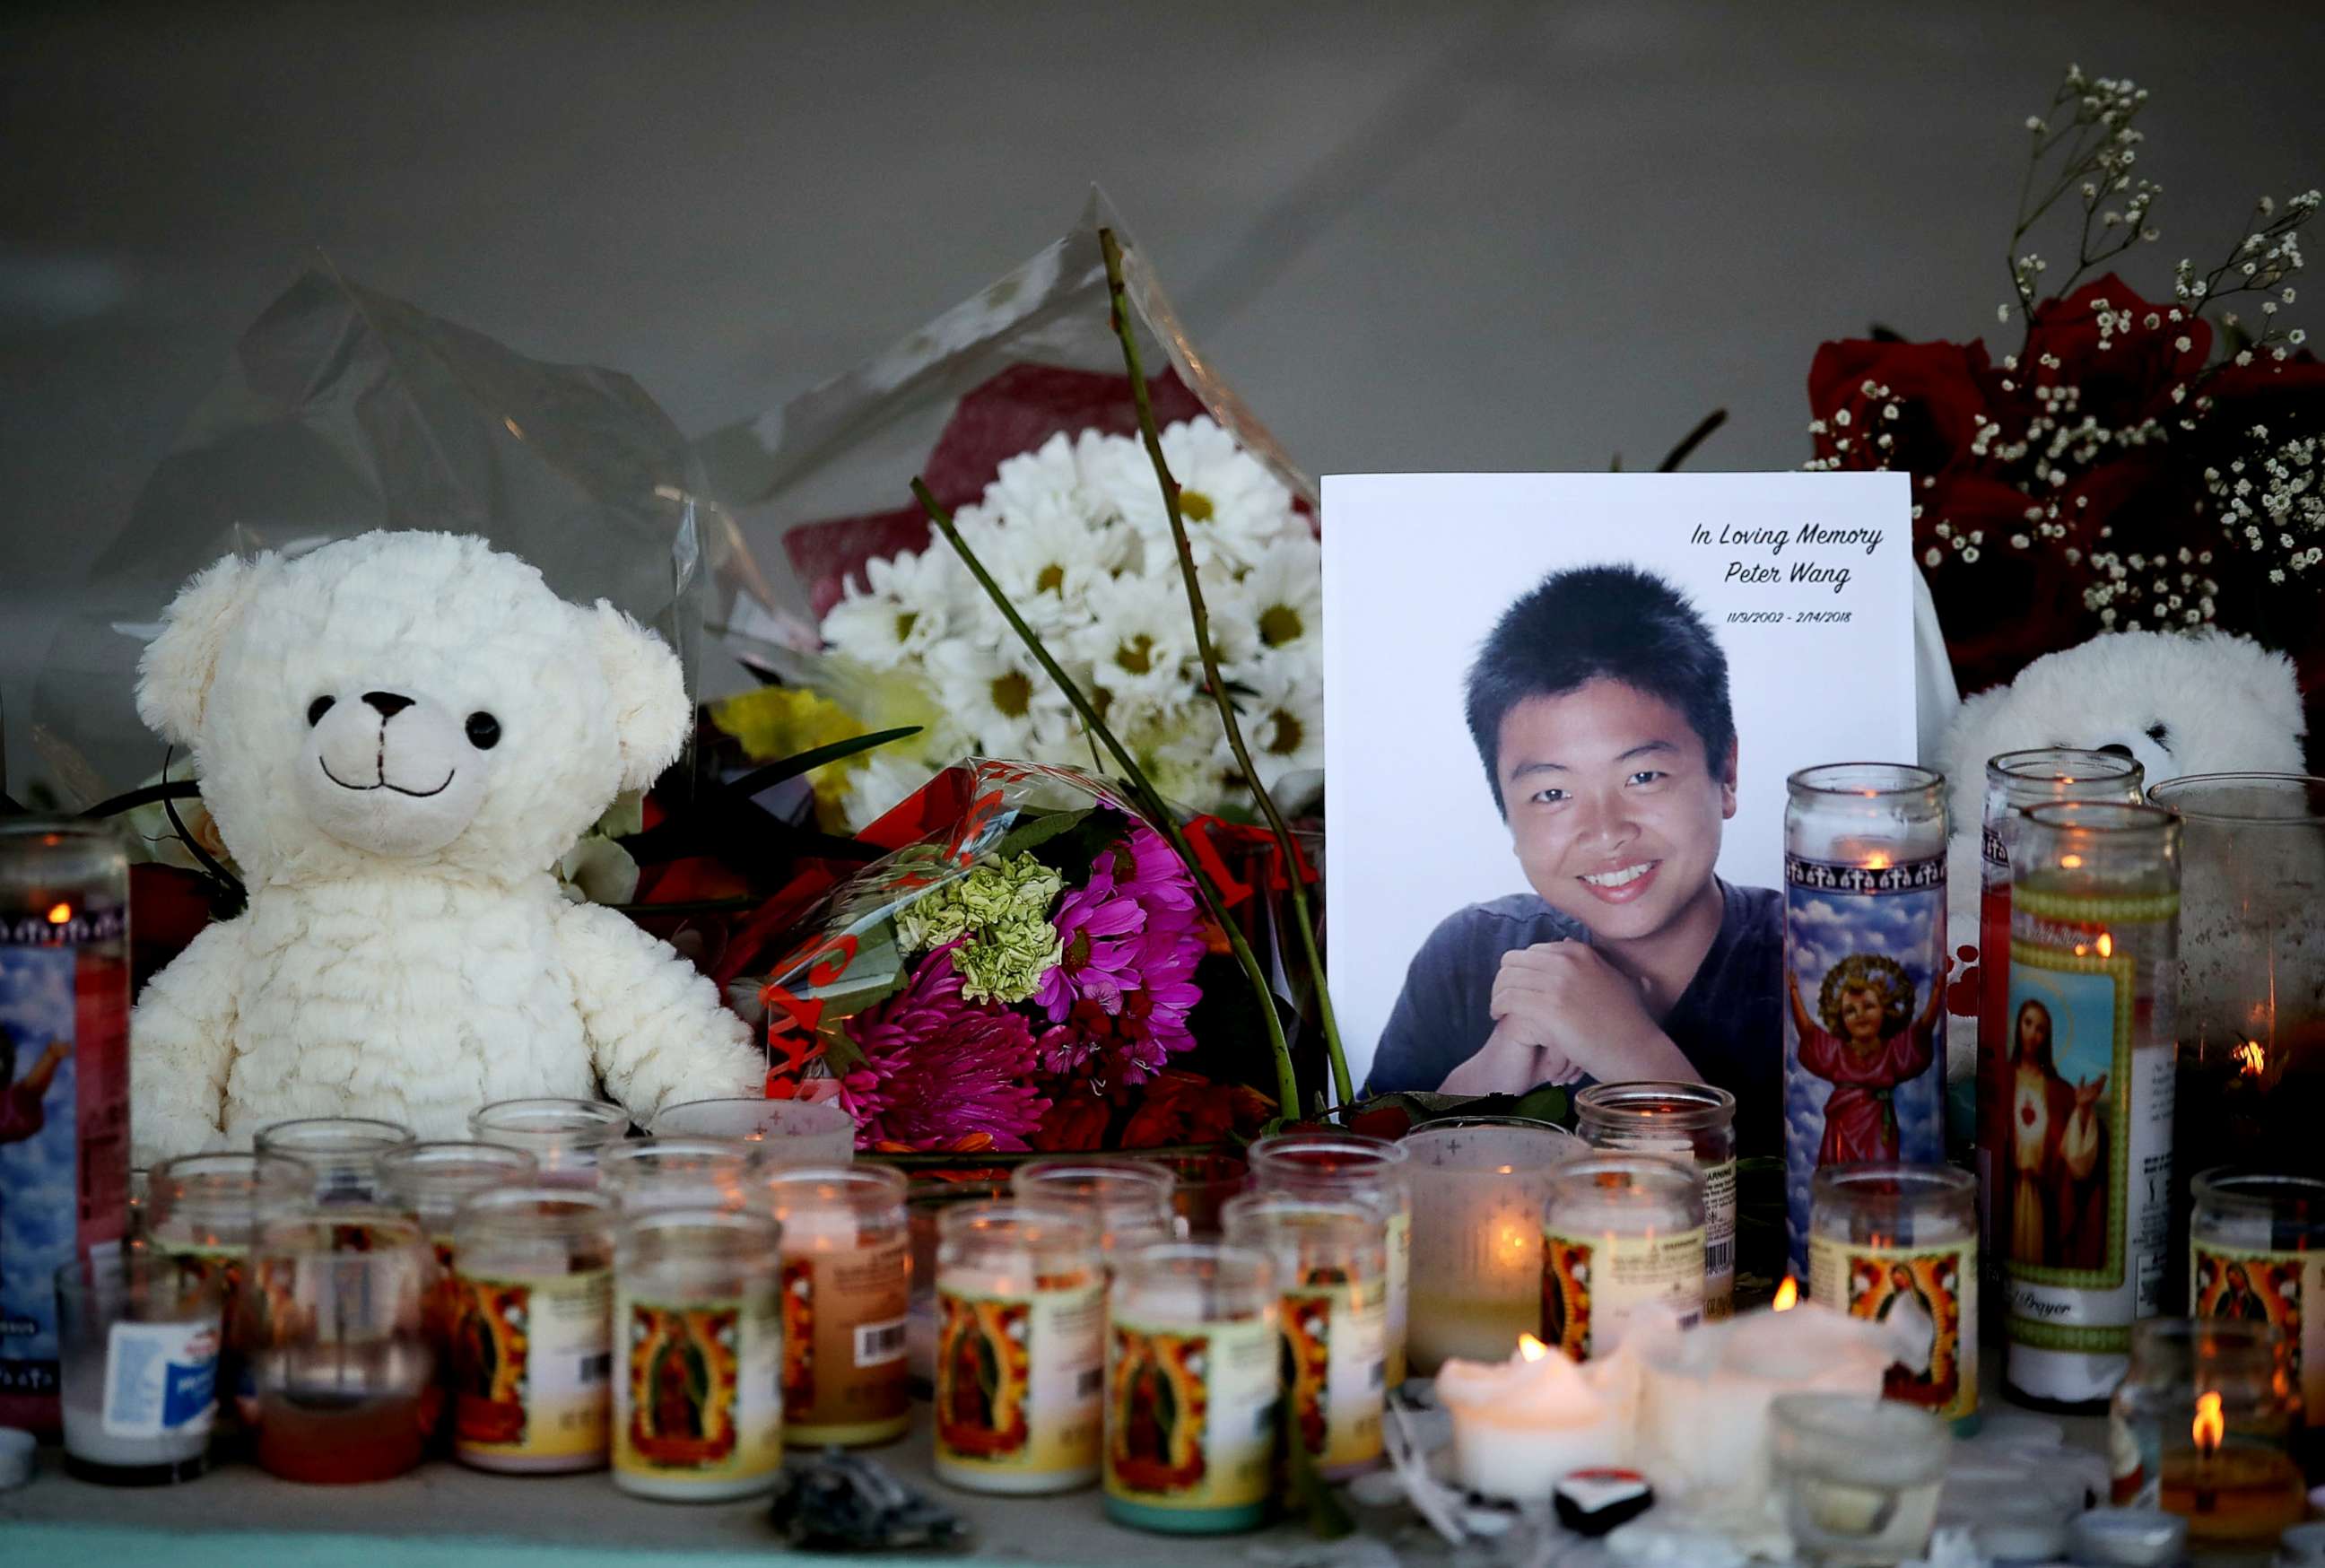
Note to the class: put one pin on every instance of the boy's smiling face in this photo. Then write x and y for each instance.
(1613, 807)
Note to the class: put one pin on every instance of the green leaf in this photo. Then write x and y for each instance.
(791, 767)
(1040, 830)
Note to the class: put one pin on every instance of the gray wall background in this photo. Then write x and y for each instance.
(1415, 235)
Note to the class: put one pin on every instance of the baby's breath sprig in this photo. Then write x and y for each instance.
(2086, 144)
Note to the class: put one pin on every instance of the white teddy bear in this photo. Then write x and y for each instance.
(2207, 704)
(397, 734)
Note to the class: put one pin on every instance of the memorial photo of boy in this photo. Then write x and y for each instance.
(1599, 707)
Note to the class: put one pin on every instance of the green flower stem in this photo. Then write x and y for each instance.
(1153, 436)
(1287, 1083)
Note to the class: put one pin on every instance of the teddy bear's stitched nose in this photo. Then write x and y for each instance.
(389, 703)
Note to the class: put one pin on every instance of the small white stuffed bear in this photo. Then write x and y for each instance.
(2208, 703)
(397, 734)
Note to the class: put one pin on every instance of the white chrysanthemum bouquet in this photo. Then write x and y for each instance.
(1075, 535)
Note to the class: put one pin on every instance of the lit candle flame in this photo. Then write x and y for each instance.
(1788, 1295)
(2251, 1058)
(2106, 945)
(2071, 862)
(59, 914)
(2209, 1427)
(1531, 1349)
(1877, 861)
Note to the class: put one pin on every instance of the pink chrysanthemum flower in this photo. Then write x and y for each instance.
(939, 1072)
(1099, 924)
(1144, 866)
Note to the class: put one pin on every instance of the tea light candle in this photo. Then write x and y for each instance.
(1521, 1425)
(2231, 1491)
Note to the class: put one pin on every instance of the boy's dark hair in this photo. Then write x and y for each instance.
(1614, 623)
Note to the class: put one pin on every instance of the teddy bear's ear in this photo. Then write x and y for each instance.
(174, 673)
(651, 715)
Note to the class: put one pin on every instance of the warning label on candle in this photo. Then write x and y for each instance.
(844, 1365)
(1924, 1296)
(1591, 1283)
(1189, 1416)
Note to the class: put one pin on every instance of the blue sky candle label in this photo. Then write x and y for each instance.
(1865, 1033)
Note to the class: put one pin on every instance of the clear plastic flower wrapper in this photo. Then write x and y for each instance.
(1028, 967)
(1015, 408)
(342, 411)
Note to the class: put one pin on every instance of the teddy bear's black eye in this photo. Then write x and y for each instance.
(484, 731)
(316, 708)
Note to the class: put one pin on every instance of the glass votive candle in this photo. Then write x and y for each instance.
(203, 1211)
(1021, 1348)
(1898, 1244)
(430, 1180)
(1200, 1186)
(1619, 1232)
(334, 1315)
(531, 1335)
(1332, 1277)
(1859, 1477)
(564, 1136)
(847, 1297)
(138, 1345)
(2203, 1426)
(698, 1320)
(1479, 1186)
(781, 1132)
(1129, 1197)
(647, 1173)
(342, 1151)
(1351, 1165)
(1191, 1381)
(1692, 1120)
(2256, 1253)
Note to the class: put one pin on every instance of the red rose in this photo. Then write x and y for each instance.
(2129, 380)
(1937, 388)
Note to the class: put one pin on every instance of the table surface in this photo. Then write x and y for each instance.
(444, 1511)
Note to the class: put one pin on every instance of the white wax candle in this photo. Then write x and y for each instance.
(1520, 1426)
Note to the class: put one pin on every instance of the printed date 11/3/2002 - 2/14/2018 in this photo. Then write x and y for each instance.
(1777, 617)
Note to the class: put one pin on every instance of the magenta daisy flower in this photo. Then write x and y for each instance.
(1098, 924)
(939, 1072)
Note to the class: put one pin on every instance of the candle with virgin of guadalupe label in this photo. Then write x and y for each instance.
(1619, 1231)
(1898, 1244)
(1331, 1277)
(2083, 1206)
(1865, 975)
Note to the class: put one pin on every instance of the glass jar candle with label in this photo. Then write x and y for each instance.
(2203, 1426)
(1192, 1376)
(1332, 1277)
(140, 1343)
(531, 1332)
(2083, 1206)
(2016, 780)
(1021, 1348)
(1898, 1244)
(676, 1172)
(846, 1297)
(1478, 1184)
(1129, 1197)
(64, 1088)
(342, 1151)
(2256, 1254)
(1696, 1121)
(1351, 1165)
(1864, 975)
(1619, 1231)
(697, 1331)
(564, 1136)
(780, 1132)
